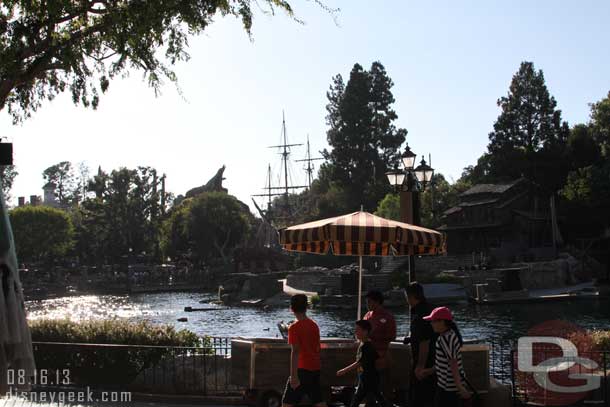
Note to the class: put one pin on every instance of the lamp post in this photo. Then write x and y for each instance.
(410, 182)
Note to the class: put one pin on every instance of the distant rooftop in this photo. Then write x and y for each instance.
(490, 188)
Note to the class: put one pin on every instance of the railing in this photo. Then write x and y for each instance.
(206, 370)
(203, 370)
(500, 361)
(555, 387)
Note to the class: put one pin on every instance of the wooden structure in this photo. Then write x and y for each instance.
(510, 217)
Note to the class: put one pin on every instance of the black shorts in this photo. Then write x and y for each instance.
(310, 386)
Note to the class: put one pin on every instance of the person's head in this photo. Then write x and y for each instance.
(415, 294)
(363, 329)
(441, 320)
(298, 304)
(374, 300)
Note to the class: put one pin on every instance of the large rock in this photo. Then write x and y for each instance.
(213, 185)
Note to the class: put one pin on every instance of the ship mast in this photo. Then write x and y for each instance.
(285, 189)
(310, 168)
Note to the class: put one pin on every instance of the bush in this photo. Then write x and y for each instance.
(94, 365)
(111, 331)
(601, 340)
(315, 300)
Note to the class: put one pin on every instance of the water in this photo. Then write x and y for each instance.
(486, 322)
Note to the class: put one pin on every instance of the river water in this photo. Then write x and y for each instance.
(485, 322)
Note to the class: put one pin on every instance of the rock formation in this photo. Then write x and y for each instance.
(213, 185)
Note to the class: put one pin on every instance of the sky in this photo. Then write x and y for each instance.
(450, 62)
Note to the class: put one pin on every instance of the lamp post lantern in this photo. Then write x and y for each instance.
(410, 182)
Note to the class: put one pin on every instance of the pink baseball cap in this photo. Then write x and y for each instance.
(439, 313)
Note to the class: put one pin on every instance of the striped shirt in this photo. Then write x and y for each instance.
(447, 347)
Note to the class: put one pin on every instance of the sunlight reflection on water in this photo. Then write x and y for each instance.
(506, 321)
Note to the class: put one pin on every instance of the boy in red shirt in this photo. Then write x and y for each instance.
(304, 340)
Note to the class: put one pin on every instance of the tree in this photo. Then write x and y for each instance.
(362, 135)
(600, 123)
(437, 198)
(216, 224)
(82, 181)
(583, 148)
(7, 177)
(174, 232)
(124, 214)
(389, 207)
(587, 192)
(41, 233)
(207, 226)
(529, 136)
(56, 45)
(62, 176)
(587, 189)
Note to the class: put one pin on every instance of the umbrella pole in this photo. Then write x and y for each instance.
(359, 289)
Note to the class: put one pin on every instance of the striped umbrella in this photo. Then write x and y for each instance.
(362, 234)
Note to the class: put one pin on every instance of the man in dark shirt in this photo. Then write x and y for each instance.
(421, 389)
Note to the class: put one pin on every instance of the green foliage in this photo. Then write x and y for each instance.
(57, 45)
(600, 122)
(127, 212)
(437, 198)
(174, 237)
(529, 136)
(7, 177)
(106, 365)
(587, 188)
(41, 233)
(583, 149)
(62, 176)
(389, 207)
(601, 340)
(209, 225)
(363, 138)
(111, 331)
(315, 300)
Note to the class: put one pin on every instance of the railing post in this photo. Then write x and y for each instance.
(605, 389)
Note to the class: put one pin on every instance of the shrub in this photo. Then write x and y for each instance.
(315, 300)
(111, 331)
(601, 340)
(96, 365)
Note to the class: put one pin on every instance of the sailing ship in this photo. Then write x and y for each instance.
(280, 206)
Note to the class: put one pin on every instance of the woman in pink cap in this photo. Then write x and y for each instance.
(451, 385)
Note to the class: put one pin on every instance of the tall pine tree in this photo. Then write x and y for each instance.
(529, 137)
(364, 140)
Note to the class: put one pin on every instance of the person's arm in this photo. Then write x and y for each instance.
(424, 348)
(457, 378)
(348, 369)
(294, 364)
(455, 347)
